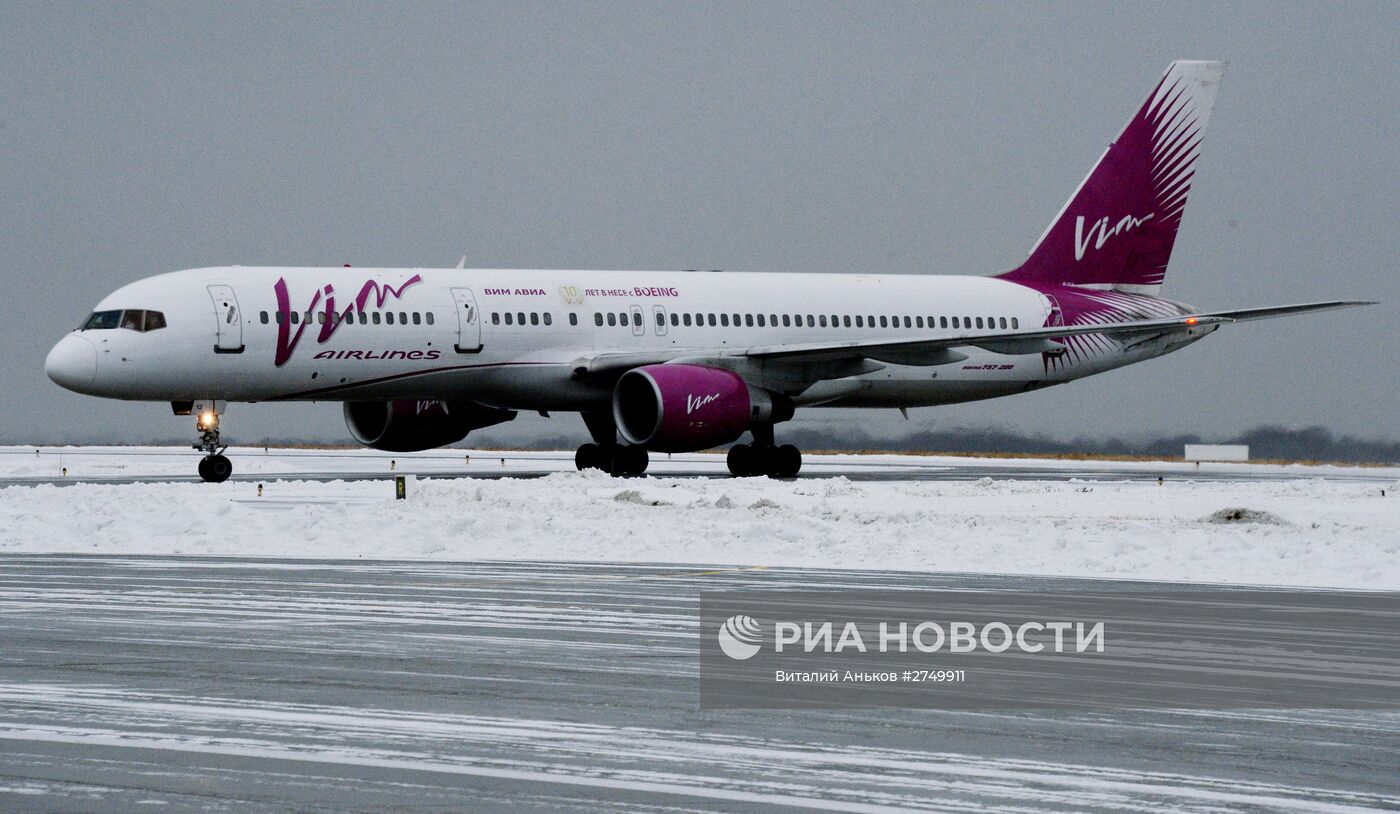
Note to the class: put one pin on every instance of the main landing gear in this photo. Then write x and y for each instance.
(213, 467)
(615, 459)
(763, 457)
(605, 452)
(752, 460)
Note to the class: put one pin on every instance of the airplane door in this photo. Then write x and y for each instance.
(228, 318)
(468, 321)
(638, 326)
(659, 314)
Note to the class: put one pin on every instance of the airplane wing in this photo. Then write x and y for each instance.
(834, 359)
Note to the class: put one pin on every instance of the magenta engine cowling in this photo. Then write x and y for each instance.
(411, 425)
(684, 408)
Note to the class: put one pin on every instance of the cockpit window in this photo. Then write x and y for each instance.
(101, 320)
(134, 319)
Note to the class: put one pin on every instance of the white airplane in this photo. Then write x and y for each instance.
(671, 361)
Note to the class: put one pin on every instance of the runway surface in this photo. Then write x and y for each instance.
(26, 466)
(166, 683)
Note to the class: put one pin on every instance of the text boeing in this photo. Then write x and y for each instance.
(933, 637)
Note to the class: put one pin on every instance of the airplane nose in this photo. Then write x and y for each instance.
(72, 363)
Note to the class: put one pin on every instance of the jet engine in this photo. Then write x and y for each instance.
(409, 425)
(684, 408)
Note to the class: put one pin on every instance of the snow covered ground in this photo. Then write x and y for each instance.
(1314, 531)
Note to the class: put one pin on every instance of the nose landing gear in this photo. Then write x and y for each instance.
(213, 467)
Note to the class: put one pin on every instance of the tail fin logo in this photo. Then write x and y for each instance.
(1118, 228)
(1100, 232)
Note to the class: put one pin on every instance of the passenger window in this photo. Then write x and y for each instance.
(612, 319)
(1002, 323)
(660, 320)
(761, 323)
(374, 316)
(520, 317)
(918, 322)
(773, 320)
(429, 317)
(548, 318)
(821, 320)
(416, 318)
(296, 317)
(573, 318)
(943, 322)
(884, 322)
(787, 323)
(712, 320)
(860, 321)
(495, 318)
(686, 319)
(675, 319)
(262, 317)
(510, 318)
(1015, 323)
(282, 317)
(597, 319)
(979, 322)
(748, 320)
(724, 320)
(534, 318)
(364, 318)
(389, 317)
(908, 323)
(811, 321)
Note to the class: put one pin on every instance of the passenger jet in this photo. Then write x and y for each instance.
(672, 361)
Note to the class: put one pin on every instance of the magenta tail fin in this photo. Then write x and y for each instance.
(1118, 228)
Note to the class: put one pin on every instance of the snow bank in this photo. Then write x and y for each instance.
(1329, 533)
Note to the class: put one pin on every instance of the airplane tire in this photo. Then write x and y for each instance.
(587, 457)
(629, 460)
(742, 460)
(784, 461)
(215, 469)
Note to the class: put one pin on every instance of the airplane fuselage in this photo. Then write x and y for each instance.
(510, 338)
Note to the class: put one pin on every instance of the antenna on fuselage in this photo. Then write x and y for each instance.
(461, 264)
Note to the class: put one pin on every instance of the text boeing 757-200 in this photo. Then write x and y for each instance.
(672, 361)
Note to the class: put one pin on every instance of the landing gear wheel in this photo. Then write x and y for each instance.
(215, 468)
(587, 457)
(784, 461)
(742, 460)
(630, 460)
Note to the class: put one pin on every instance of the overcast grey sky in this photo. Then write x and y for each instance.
(904, 138)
